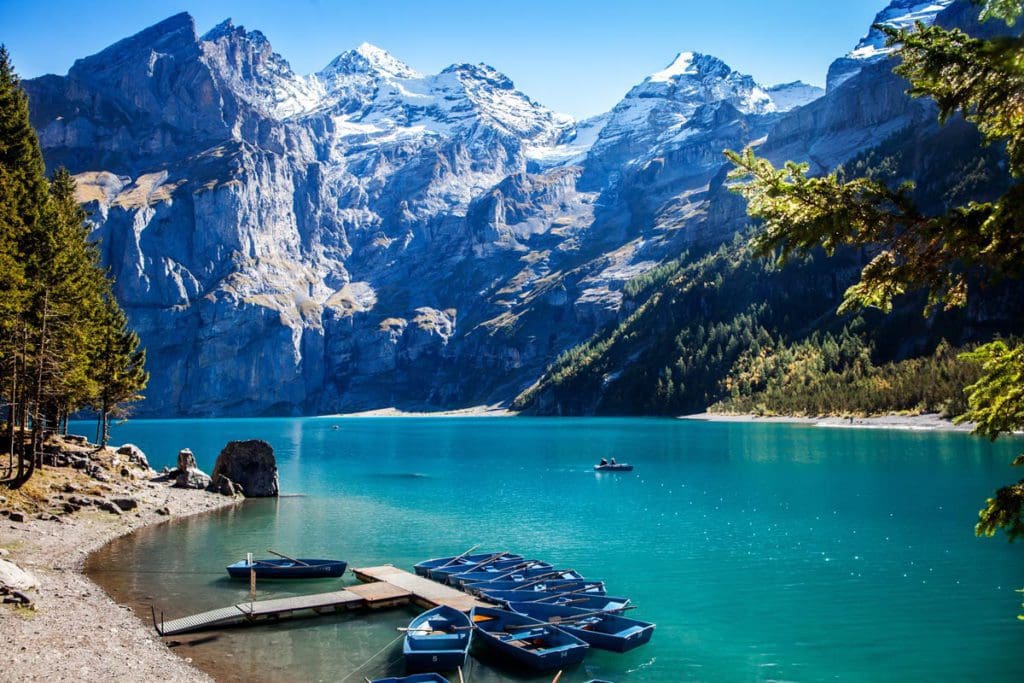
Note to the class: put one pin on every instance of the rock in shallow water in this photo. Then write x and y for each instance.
(250, 465)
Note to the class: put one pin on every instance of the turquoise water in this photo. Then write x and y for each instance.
(762, 551)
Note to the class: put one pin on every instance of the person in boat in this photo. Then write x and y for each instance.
(613, 461)
(603, 462)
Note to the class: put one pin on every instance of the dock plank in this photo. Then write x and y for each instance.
(423, 590)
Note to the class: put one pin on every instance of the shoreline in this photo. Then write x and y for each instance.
(473, 411)
(76, 631)
(925, 422)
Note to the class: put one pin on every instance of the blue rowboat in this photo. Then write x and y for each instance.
(604, 630)
(551, 585)
(301, 568)
(437, 640)
(590, 601)
(423, 568)
(443, 574)
(617, 467)
(520, 639)
(525, 575)
(415, 678)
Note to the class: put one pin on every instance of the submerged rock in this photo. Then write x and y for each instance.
(250, 465)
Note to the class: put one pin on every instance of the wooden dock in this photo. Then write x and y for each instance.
(425, 593)
(382, 587)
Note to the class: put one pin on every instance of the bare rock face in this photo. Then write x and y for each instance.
(134, 454)
(250, 465)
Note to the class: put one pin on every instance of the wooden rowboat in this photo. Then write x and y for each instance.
(437, 640)
(415, 678)
(466, 561)
(300, 568)
(522, 640)
(589, 601)
(604, 630)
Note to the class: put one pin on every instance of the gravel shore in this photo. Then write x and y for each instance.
(75, 631)
(924, 422)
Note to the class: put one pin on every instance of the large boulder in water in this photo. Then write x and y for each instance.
(249, 464)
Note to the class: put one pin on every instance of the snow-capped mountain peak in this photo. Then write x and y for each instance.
(898, 14)
(368, 59)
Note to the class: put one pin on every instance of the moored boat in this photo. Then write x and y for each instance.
(604, 630)
(299, 568)
(590, 601)
(415, 678)
(423, 568)
(520, 639)
(437, 640)
(443, 574)
(559, 585)
(522, 575)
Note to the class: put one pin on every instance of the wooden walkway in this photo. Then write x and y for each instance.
(383, 586)
(425, 593)
(365, 596)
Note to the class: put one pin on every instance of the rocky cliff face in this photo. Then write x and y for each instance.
(369, 235)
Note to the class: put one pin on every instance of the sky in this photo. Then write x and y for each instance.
(574, 56)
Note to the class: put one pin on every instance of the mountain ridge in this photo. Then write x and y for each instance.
(369, 235)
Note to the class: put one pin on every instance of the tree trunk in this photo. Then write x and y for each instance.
(39, 416)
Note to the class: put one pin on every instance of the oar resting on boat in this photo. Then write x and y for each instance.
(597, 628)
(532, 643)
(437, 640)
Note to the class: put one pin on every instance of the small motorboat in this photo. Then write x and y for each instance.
(548, 585)
(521, 639)
(604, 630)
(467, 561)
(415, 678)
(613, 467)
(590, 601)
(298, 568)
(524, 573)
(437, 640)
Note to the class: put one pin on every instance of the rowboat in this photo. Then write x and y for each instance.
(524, 575)
(590, 601)
(521, 639)
(556, 585)
(298, 568)
(604, 630)
(437, 640)
(443, 574)
(423, 568)
(616, 467)
(415, 678)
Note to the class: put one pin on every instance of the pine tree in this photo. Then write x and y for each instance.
(982, 79)
(119, 368)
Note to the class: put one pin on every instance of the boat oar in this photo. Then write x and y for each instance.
(460, 675)
(557, 677)
(486, 562)
(585, 588)
(274, 552)
(459, 557)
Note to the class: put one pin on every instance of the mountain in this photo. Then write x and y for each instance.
(369, 235)
(683, 325)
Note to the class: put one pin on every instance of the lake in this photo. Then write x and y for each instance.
(762, 551)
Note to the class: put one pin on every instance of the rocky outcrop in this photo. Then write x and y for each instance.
(134, 455)
(247, 464)
(188, 475)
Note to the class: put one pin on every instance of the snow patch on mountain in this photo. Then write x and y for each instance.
(899, 14)
(787, 96)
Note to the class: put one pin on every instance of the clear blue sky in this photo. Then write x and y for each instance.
(575, 56)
